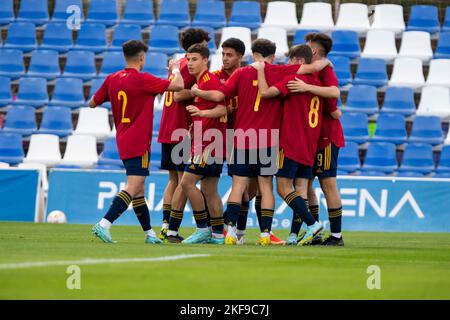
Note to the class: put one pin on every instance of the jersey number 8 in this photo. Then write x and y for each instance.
(314, 112)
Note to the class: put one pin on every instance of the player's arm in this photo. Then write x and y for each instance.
(183, 95)
(336, 114)
(210, 95)
(264, 89)
(177, 83)
(316, 66)
(218, 111)
(298, 85)
(101, 96)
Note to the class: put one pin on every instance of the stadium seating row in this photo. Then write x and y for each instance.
(317, 15)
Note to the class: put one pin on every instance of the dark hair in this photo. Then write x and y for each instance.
(264, 47)
(132, 48)
(301, 51)
(199, 48)
(323, 40)
(193, 36)
(236, 44)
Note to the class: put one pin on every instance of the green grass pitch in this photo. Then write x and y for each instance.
(413, 266)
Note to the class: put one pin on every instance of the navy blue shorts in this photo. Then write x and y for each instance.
(137, 166)
(288, 168)
(253, 163)
(166, 158)
(326, 162)
(205, 170)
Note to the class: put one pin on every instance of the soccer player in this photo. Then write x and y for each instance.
(175, 116)
(132, 94)
(209, 120)
(300, 132)
(256, 119)
(332, 138)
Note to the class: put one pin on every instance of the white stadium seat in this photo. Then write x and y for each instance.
(447, 140)
(439, 74)
(353, 16)
(416, 44)
(317, 15)
(81, 151)
(216, 62)
(380, 44)
(113, 130)
(159, 102)
(388, 17)
(93, 121)
(44, 148)
(242, 33)
(435, 101)
(281, 14)
(279, 36)
(38, 166)
(407, 72)
(4, 165)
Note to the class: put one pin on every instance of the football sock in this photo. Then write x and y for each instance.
(105, 223)
(176, 217)
(296, 224)
(315, 212)
(166, 212)
(118, 206)
(151, 233)
(201, 218)
(141, 210)
(258, 210)
(242, 216)
(297, 204)
(232, 212)
(335, 216)
(266, 220)
(217, 226)
(207, 211)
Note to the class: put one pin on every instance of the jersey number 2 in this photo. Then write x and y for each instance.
(123, 96)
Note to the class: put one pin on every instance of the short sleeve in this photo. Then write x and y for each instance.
(282, 85)
(329, 78)
(155, 85)
(101, 96)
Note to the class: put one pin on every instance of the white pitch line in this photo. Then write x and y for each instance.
(22, 265)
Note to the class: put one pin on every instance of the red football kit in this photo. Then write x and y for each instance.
(232, 103)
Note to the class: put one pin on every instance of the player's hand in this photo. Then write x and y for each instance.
(194, 111)
(297, 85)
(195, 90)
(258, 65)
(173, 64)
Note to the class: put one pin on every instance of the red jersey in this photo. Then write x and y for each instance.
(254, 112)
(174, 115)
(302, 121)
(231, 104)
(207, 81)
(132, 94)
(331, 129)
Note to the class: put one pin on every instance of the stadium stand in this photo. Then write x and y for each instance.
(80, 64)
(342, 68)
(5, 91)
(282, 14)
(349, 157)
(424, 18)
(32, 92)
(407, 72)
(91, 37)
(242, 33)
(56, 121)
(174, 13)
(380, 157)
(57, 37)
(210, 13)
(44, 148)
(68, 93)
(439, 72)
(279, 36)
(139, 12)
(391, 128)
(103, 12)
(21, 36)
(371, 72)
(444, 161)
(34, 11)
(443, 47)
(81, 150)
(435, 101)
(123, 33)
(345, 43)
(215, 62)
(418, 157)
(93, 122)
(317, 15)
(416, 44)
(426, 129)
(380, 44)
(355, 126)
(44, 64)
(399, 100)
(245, 14)
(446, 25)
(42, 169)
(388, 17)
(164, 39)
(21, 120)
(11, 150)
(60, 13)
(11, 63)
(299, 35)
(113, 61)
(362, 98)
(156, 63)
(6, 12)
(353, 16)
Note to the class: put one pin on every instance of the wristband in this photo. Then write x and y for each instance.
(175, 71)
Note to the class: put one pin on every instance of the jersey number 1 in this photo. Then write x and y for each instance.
(124, 97)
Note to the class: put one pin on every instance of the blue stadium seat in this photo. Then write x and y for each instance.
(446, 25)
(6, 12)
(57, 37)
(96, 84)
(349, 157)
(57, 121)
(156, 63)
(21, 36)
(32, 92)
(299, 35)
(399, 100)
(362, 99)
(245, 14)
(424, 18)
(444, 161)
(164, 39)
(210, 13)
(5, 91)
(34, 11)
(212, 42)
(110, 154)
(345, 43)
(11, 149)
(139, 12)
(156, 153)
(60, 15)
(91, 37)
(157, 115)
(371, 72)
(443, 47)
(373, 173)
(381, 157)
(418, 157)
(68, 93)
(123, 33)
(391, 127)
(67, 166)
(44, 64)
(21, 120)
(11, 63)
(442, 175)
(355, 126)
(107, 167)
(174, 13)
(410, 174)
(113, 61)
(427, 129)
(80, 64)
(343, 69)
(103, 12)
